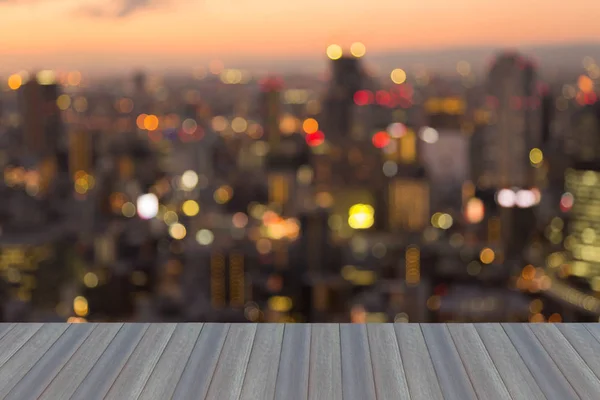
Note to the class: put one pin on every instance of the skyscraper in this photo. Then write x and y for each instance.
(270, 109)
(514, 129)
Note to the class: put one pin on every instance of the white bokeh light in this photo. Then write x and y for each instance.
(147, 206)
(506, 198)
(429, 134)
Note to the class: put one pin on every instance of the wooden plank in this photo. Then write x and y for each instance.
(547, 375)
(292, 378)
(201, 365)
(67, 380)
(585, 344)
(132, 378)
(4, 328)
(261, 374)
(105, 371)
(484, 376)
(325, 371)
(47, 367)
(388, 371)
(357, 371)
(26, 357)
(229, 375)
(453, 377)
(567, 359)
(13, 339)
(594, 329)
(168, 370)
(420, 375)
(515, 374)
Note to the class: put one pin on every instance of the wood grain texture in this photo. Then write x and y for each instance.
(102, 375)
(261, 374)
(292, 378)
(515, 374)
(567, 359)
(26, 357)
(420, 375)
(484, 376)
(167, 372)
(13, 339)
(48, 366)
(4, 328)
(229, 375)
(388, 371)
(547, 375)
(201, 365)
(72, 374)
(450, 370)
(357, 371)
(325, 373)
(139, 366)
(585, 344)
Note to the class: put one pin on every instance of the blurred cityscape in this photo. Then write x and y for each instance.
(350, 196)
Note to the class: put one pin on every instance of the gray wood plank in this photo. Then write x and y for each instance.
(420, 375)
(547, 375)
(229, 375)
(484, 376)
(4, 328)
(594, 329)
(169, 368)
(201, 365)
(567, 359)
(26, 357)
(47, 367)
(515, 374)
(388, 371)
(450, 370)
(105, 370)
(325, 371)
(137, 369)
(585, 344)
(261, 374)
(292, 378)
(357, 371)
(65, 383)
(13, 339)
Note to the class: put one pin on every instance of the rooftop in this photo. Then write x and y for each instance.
(299, 361)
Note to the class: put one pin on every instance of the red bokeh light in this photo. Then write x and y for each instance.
(383, 98)
(381, 139)
(315, 139)
(363, 97)
(566, 202)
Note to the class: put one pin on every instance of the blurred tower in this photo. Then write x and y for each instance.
(80, 151)
(270, 109)
(514, 102)
(41, 117)
(347, 78)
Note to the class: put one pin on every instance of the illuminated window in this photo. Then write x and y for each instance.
(408, 147)
(217, 280)
(236, 279)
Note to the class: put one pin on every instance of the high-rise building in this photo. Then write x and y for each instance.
(80, 151)
(409, 200)
(270, 109)
(346, 80)
(41, 117)
(515, 123)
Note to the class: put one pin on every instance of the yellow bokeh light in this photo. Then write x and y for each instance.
(487, 255)
(151, 122)
(15, 81)
(288, 124)
(128, 209)
(536, 156)
(80, 306)
(310, 125)
(90, 280)
(334, 52)
(80, 104)
(239, 124)
(190, 208)
(223, 194)
(280, 303)
(219, 123)
(63, 102)
(177, 231)
(361, 216)
(398, 76)
(358, 49)
(170, 218)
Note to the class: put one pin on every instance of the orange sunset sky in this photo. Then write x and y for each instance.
(63, 33)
